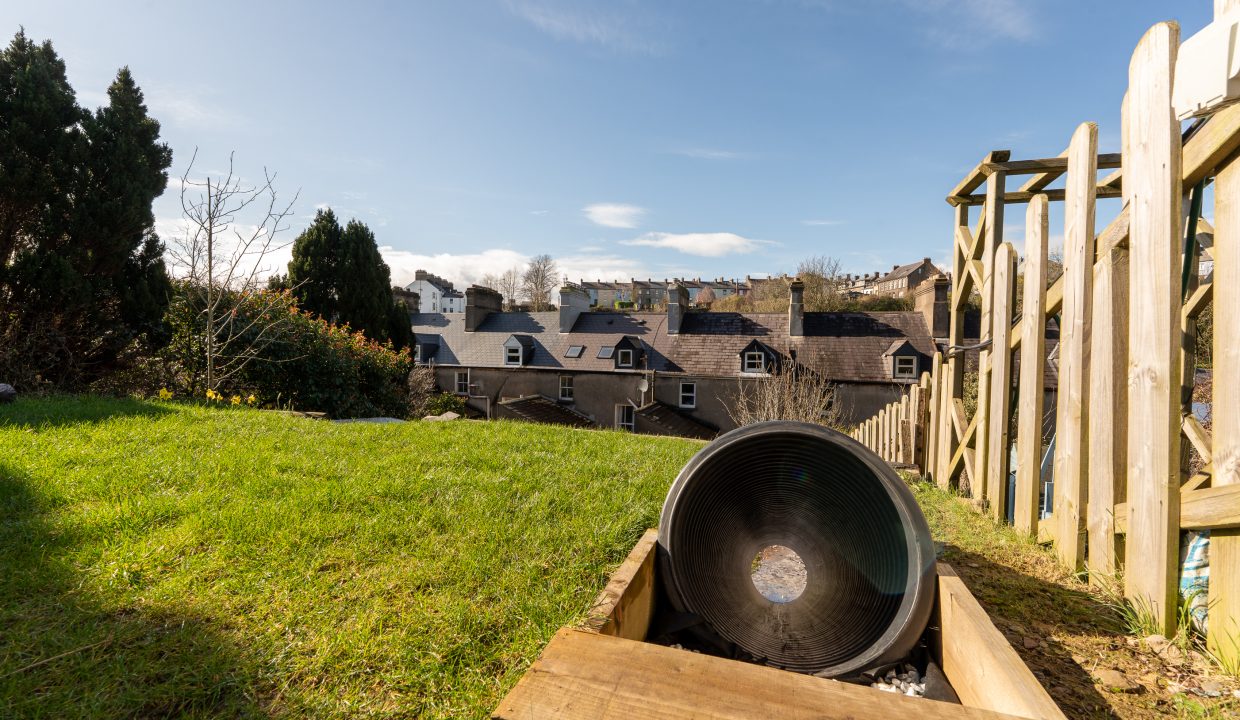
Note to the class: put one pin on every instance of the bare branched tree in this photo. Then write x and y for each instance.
(223, 261)
(509, 285)
(538, 281)
(790, 393)
(490, 280)
(824, 284)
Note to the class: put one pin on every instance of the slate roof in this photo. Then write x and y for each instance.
(537, 408)
(671, 420)
(902, 271)
(844, 347)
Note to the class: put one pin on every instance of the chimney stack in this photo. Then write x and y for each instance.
(930, 299)
(573, 302)
(479, 303)
(677, 306)
(796, 308)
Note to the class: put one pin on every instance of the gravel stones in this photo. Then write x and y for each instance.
(905, 681)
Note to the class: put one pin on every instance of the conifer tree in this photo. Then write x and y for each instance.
(364, 282)
(315, 267)
(81, 269)
(340, 275)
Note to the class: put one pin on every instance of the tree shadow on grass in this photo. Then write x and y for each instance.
(66, 652)
(1022, 606)
(54, 411)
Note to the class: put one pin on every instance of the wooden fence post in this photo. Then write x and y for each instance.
(945, 445)
(1108, 410)
(1152, 157)
(1000, 381)
(1072, 406)
(903, 434)
(1032, 370)
(915, 423)
(930, 469)
(992, 237)
(884, 431)
(1224, 631)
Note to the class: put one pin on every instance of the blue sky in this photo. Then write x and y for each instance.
(628, 138)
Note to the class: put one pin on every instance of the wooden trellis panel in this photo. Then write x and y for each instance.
(1126, 357)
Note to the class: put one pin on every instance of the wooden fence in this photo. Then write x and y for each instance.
(1125, 305)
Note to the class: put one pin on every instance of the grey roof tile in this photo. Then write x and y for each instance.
(842, 346)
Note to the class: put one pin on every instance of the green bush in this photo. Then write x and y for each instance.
(445, 402)
(294, 358)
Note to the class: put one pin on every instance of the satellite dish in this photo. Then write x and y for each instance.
(643, 385)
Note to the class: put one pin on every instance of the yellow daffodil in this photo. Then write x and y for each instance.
(236, 400)
(251, 399)
(165, 393)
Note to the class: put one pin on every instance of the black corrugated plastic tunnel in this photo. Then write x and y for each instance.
(866, 547)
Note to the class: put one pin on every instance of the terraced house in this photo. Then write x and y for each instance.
(675, 372)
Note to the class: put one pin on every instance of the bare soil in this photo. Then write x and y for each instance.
(1068, 633)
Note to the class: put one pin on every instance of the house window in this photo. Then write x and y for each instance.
(417, 353)
(512, 356)
(624, 358)
(906, 367)
(604, 353)
(462, 382)
(688, 395)
(574, 351)
(624, 417)
(755, 361)
(566, 387)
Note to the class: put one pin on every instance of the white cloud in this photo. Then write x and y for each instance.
(964, 24)
(708, 153)
(572, 21)
(615, 215)
(187, 109)
(601, 267)
(703, 244)
(462, 269)
(467, 268)
(822, 223)
(539, 212)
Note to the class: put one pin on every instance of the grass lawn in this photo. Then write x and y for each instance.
(166, 559)
(163, 559)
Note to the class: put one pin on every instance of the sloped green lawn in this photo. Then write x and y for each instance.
(168, 559)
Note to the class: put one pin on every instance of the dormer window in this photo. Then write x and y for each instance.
(424, 348)
(518, 350)
(758, 359)
(904, 359)
(628, 352)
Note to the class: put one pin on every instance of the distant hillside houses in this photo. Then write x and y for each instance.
(675, 372)
(435, 295)
(904, 279)
(650, 294)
